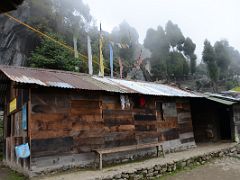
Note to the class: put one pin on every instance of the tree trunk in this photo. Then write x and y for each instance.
(76, 55)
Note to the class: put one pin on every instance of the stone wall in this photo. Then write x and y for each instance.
(162, 169)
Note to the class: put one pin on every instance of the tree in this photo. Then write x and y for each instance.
(193, 63)
(188, 49)
(173, 63)
(209, 58)
(177, 66)
(75, 17)
(53, 56)
(174, 35)
(126, 35)
(222, 57)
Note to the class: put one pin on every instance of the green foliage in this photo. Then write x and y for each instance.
(188, 49)
(167, 48)
(125, 34)
(223, 63)
(237, 89)
(177, 66)
(193, 63)
(156, 41)
(210, 59)
(232, 85)
(54, 56)
(222, 57)
(174, 34)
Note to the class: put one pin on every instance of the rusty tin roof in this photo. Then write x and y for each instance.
(72, 80)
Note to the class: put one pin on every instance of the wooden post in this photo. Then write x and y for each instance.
(29, 124)
(100, 161)
(163, 151)
(157, 150)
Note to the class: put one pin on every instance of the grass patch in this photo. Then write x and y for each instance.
(174, 173)
(237, 89)
(16, 176)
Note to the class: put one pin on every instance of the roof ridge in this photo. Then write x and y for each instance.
(43, 69)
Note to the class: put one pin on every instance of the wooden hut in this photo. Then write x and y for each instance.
(67, 117)
(216, 118)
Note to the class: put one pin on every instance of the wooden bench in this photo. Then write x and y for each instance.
(128, 148)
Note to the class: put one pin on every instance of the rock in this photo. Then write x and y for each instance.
(16, 41)
(157, 168)
(163, 169)
(149, 175)
(134, 177)
(183, 164)
(174, 167)
(118, 176)
(125, 160)
(125, 175)
(155, 173)
(221, 154)
(169, 168)
(150, 170)
(233, 150)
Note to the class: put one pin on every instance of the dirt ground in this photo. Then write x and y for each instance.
(221, 169)
(7, 174)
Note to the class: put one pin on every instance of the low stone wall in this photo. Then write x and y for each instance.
(54, 164)
(162, 169)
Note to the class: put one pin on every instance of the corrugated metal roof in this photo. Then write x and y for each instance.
(224, 96)
(147, 88)
(222, 101)
(65, 79)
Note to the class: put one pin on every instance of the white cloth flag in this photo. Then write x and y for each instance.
(90, 67)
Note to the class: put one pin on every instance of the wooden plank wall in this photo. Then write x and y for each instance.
(65, 123)
(14, 134)
(185, 121)
(236, 123)
(76, 122)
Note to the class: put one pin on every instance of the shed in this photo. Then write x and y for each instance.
(64, 116)
(215, 118)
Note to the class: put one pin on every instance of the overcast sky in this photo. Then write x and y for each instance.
(198, 19)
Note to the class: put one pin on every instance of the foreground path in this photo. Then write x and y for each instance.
(221, 169)
(7, 174)
(131, 167)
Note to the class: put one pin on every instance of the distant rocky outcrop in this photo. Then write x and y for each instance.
(16, 41)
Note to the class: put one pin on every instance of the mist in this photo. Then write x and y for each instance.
(199, 19)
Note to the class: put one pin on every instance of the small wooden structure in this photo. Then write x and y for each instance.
(66, 116)
(216, 118)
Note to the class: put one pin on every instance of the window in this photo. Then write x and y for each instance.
(165, 110)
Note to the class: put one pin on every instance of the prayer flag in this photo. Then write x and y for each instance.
(101, 64)
(111, 59)
(90, 68)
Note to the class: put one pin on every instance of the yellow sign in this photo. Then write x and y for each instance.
(13, 105)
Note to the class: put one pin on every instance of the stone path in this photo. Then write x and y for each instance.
(132, 167)
(227, 168)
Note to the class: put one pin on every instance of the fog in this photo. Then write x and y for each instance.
(198, 19)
